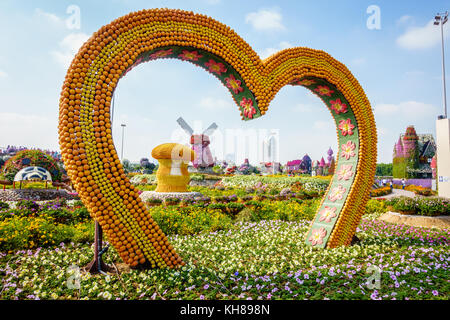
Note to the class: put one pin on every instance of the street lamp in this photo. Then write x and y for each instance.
(439, 20)
(123, 131)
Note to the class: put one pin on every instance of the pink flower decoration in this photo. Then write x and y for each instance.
(190, 55)
(234, 84)
(247, 105)
(324, 91)
(345, 173)
(317, 236)
(348, 150)
(337, 193)
(346, 127)
(338, 106)
(161, 54)
(327, 214)
(216, 67)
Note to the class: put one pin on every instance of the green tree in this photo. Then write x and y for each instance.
(384, 169)
(126, 165)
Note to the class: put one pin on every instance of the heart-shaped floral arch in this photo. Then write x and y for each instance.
(85, 129)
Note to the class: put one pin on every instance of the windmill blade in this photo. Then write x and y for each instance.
(211, 129)
(185, 126)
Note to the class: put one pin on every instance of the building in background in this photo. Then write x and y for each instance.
(413, 154)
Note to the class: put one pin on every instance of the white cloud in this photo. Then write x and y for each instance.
(29, 130)
(404, 20)
(69, 46)
(270, 51)
(421, 37)
(3, 74)
(210, 103)
(266, 20)
(48, 16)
(408, 109)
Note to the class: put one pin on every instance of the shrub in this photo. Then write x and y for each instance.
(3, 205)
(375, 206)
(27, 205)
(18, 233)
(380, 192)
(419, 190)
(245, 199)
(284, 210)
(421, 206)
(172, 201)
(189, 220)
(154, 202)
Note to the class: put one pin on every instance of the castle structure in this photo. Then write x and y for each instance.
(413, 154)
(307, 166)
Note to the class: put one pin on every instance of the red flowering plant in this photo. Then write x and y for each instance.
(216, 67)
(247, 105)
(234, 84)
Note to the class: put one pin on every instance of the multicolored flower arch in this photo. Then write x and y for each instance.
(85, 129)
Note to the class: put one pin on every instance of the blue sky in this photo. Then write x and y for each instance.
(398, 66)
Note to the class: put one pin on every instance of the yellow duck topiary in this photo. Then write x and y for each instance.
(173, 175)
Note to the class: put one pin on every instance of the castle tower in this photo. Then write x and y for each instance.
(330, 156)
(410, 141)
(399, 152)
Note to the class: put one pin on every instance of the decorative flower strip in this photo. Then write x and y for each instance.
(348, 135)
(243, 97)
(85, 130)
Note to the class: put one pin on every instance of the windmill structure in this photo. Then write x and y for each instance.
(200, 144)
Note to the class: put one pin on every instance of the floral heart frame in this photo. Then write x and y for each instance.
(91, 159)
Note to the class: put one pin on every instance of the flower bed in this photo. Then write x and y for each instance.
(420, 206)
(308, 183)
(380, 192)
(419, 190)
(260, 261)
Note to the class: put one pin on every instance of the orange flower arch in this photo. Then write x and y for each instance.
(85, 129)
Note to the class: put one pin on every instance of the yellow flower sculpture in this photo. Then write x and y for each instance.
(172, 174)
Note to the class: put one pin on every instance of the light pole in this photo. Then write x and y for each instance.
(440, 20)
(123, 132)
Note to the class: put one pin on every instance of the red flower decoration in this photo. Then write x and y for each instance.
(161, 54)
(346, 127)
(338, 106)
(234, 84)
(247, 105)
(190, 55)
(324, 91)
(216, 67)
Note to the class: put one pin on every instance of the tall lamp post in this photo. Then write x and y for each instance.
(439, 20)
(123, 131)
(443, 127)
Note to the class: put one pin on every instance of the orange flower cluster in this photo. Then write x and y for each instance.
(85, 129)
